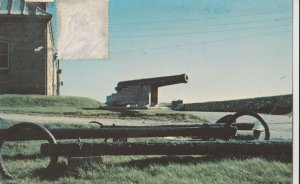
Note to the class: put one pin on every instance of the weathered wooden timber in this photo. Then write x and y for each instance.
(252, 148)
(201, 131)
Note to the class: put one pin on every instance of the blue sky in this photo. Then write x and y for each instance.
(229, 49)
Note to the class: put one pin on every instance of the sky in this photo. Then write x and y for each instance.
(229, 49)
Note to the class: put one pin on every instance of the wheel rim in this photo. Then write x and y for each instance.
(13, 130)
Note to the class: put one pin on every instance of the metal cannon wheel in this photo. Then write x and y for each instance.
(231, 118)
(13, 130)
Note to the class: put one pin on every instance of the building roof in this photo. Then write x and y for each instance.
(20, 7)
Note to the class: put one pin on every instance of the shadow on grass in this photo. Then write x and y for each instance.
(123, 112)
(22, 157)
(52, 173)
(166, 160)
(62, 170)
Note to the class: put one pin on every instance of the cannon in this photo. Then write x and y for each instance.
(154, 82)
(207, 139)
(138, 92)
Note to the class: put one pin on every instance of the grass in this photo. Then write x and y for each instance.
(84, 107)
(23, 160)
(46, 104)
(47, 101)
(154, 169)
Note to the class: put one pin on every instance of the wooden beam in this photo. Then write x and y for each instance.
(253, 148)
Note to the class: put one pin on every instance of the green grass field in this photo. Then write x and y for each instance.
(84, 107)
(23, 159)
(155, 169)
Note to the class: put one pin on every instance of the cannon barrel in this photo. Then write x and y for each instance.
(203, 131)
(157, 81)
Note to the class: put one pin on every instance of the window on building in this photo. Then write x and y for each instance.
(4, 55)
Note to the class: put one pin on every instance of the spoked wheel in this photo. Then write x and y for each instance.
(259, 127)
(10, 137)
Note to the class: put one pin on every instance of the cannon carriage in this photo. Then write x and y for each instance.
(201, 139)
(142, 93)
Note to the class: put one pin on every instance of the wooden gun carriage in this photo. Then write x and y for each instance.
(205, 139)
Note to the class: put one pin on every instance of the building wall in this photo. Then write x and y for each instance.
(52, 65)
(27, 55)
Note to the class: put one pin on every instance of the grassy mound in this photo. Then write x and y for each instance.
(40, 104)
(83, 107)
(47, 101)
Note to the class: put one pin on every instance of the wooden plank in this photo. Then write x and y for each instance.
(201, 131)
(255, 148)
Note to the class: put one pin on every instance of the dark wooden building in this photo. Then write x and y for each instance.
(27, 55)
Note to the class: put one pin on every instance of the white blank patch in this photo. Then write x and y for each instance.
(39, 1)
(82, 29)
